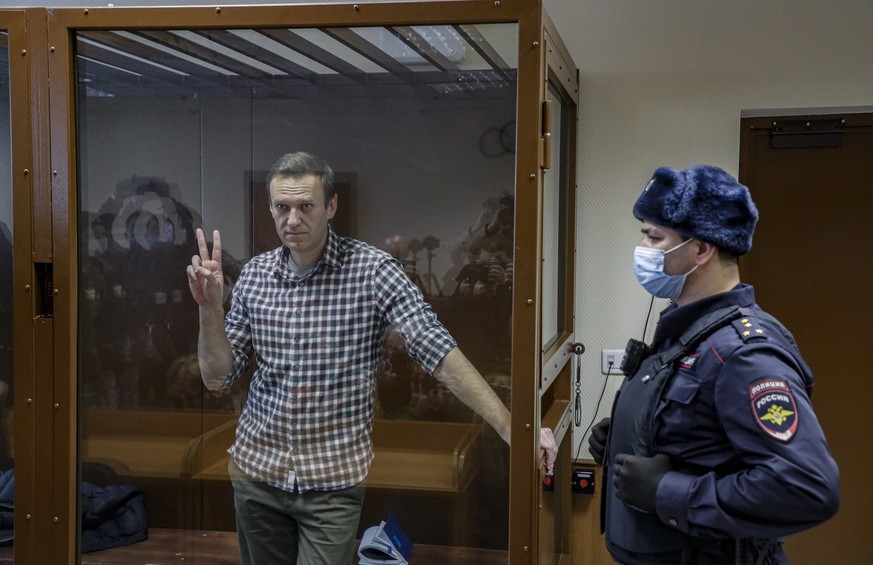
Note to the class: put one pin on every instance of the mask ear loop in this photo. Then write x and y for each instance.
(678, 246)
(694, 268)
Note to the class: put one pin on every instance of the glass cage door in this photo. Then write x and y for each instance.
(558, 350)
(176, 130)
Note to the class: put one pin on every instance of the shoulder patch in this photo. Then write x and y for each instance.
(774, 408)
(749, 328)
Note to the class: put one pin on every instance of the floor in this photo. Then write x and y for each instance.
(166, 546)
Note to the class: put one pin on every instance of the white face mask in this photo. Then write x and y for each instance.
(649, 269)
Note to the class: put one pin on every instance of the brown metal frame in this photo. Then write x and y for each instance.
(45, 200)
(30, 396)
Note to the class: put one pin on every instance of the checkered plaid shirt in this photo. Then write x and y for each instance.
(317, 340)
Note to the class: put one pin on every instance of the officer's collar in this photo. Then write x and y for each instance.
(675, 319)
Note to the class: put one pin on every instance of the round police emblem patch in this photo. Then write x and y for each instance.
(774, 408)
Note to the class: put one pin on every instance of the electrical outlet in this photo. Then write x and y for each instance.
(611, 357)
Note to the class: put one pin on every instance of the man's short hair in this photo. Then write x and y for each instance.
(300, 163)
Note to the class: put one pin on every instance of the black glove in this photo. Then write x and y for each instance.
(636, 479)
(597, 440)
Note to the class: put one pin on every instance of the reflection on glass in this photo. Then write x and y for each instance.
(177, 130)
(6, 368)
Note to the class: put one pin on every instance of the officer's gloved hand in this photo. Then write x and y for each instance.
(636, 479)
(597, 440)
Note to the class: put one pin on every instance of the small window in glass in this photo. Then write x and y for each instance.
(555, 223)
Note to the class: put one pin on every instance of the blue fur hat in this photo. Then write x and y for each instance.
(703, 202)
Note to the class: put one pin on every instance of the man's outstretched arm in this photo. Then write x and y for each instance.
(461, 377)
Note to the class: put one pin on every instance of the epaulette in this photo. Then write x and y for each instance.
(749, 328)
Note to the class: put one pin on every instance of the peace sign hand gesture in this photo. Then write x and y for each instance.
(205, 277)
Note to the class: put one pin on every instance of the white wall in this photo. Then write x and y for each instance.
(663, 82)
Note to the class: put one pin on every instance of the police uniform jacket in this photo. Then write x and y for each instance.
(750, 459)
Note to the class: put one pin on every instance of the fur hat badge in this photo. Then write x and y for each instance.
(703, 202)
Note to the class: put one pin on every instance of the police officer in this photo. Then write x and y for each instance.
(713, 451)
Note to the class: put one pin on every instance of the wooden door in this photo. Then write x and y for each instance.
(812, 179)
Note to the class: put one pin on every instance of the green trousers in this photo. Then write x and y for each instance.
(276, 527)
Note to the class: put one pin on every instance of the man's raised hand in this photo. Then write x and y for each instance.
(205, 277)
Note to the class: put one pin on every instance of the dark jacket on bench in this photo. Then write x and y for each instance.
(111, 516)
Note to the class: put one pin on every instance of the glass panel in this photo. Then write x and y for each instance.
(6, 369)
(177, 130)
(555, 227)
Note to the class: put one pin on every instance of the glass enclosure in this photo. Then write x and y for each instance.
(6, 368)
(176, 129)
